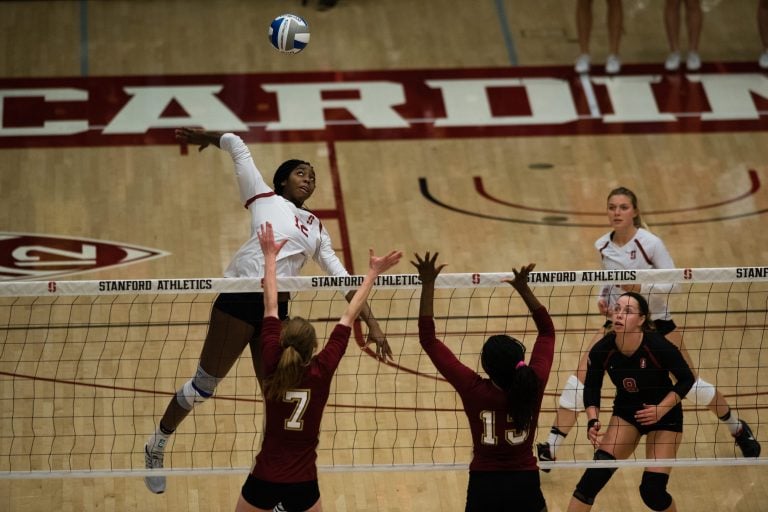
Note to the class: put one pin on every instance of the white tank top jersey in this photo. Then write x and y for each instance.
(644, 251)
(305, 233)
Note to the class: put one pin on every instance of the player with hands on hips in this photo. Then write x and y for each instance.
(235, 318)
(503, 409)
(639, 362)
(296, 388)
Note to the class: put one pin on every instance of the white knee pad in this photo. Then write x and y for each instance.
(572, 397)
(701, 393)
(197, 390)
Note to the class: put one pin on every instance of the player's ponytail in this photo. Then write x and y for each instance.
(503, 359)
(624, 191)
(299, 341)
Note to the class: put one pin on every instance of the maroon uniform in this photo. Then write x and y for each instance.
(498, 446)
(292, 424)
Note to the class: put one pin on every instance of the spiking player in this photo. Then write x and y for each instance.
(236, 317)
(631, 246)
(502, 410)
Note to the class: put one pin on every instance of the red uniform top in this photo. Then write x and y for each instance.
(498, 446)
(292, 424)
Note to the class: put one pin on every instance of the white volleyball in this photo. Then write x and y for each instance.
(289, 33)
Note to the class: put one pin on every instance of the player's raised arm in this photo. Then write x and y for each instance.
(376, 266)
(270, 248)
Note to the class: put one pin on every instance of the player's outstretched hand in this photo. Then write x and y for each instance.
(198, 137)
(269, 247)
(380, 264)
(520, 281)
(377, 336)
(428, 271)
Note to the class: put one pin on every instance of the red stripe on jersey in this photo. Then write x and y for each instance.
(258, 196)
(651, 356)
(603, 248)
(639, 246)
(608, 357)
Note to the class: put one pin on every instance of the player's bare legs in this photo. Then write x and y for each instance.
(226, 339)
(672, 25)
(615, 25)
(694, 20)
(762, 26)
(584, 30)
(617, 443)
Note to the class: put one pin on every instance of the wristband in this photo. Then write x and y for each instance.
(591, 423)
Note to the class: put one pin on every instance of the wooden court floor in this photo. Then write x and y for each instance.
(187, 204)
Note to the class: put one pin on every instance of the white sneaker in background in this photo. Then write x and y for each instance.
(673, 61)
(763, 60)
(582, 63)
(613, 64)
(693, 62)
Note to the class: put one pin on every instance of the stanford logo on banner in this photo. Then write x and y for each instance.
(35, 256)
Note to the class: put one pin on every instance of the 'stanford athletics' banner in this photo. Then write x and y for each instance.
(647, 278)
(420, 104)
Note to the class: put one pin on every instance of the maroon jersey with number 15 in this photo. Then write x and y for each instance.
(498, 446)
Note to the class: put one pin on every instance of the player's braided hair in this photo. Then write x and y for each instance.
(503, 359)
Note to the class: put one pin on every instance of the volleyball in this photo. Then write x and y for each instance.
(289, 33)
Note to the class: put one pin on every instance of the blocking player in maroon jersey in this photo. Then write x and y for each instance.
(296, 388)
(502, 410)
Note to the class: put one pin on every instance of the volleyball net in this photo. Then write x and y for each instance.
(88, 367)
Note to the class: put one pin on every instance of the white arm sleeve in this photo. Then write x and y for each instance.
(660, 258)
(249, 178)
(327, 259)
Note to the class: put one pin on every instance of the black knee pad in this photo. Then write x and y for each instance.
(653, 490)
(594, 479)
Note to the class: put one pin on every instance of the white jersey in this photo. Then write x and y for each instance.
(644, 251)
(304, 231)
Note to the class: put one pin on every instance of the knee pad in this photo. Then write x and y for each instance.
(594, 479)
(572, 397)
(701, 393)
(653, 490)
(196, 390)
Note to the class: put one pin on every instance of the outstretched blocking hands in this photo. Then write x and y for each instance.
(520, 281)
(269, 247)
(428, 272)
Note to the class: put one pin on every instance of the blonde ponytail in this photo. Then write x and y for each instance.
(299, 341)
